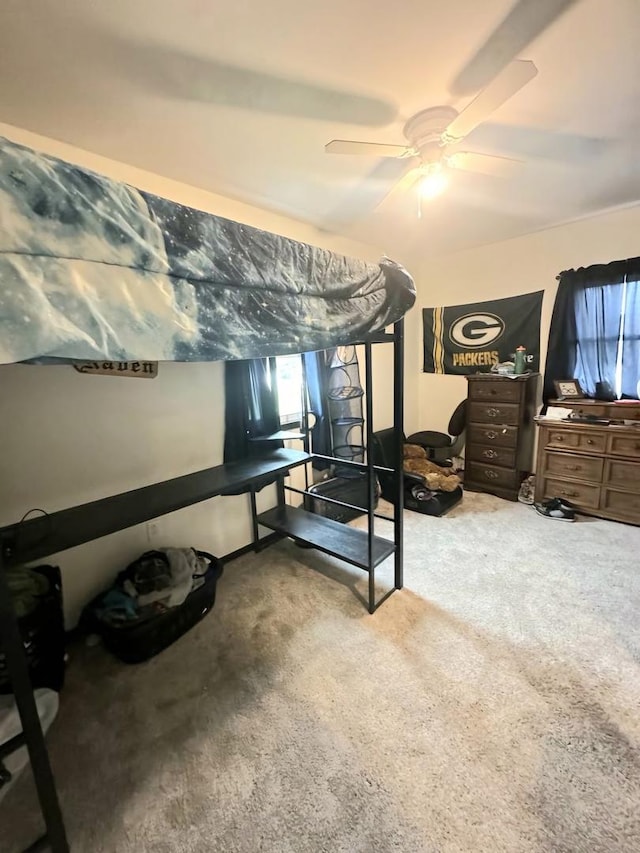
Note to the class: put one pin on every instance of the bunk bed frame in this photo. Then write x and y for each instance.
(35, 538)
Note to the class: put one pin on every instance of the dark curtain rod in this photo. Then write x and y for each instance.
(615, 268)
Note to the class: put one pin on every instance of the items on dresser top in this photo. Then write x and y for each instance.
(625, 409)
(595, 467)
(499, 445)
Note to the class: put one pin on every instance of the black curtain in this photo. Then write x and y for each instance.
(251, 408)
(315, 371)
(586, 325)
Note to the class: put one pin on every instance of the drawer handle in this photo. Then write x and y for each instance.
(491, 475)
(490, 434)
(570, 494)
(489, 454)
(557, 438)
(589, 441)
(493, 413)
(573, 467)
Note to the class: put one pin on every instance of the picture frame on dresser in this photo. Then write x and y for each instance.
(568, 389)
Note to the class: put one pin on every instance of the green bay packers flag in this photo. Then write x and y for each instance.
(471, 338)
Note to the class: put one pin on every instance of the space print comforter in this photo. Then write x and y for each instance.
(91, 268)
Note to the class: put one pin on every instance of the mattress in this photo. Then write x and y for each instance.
(94, 269)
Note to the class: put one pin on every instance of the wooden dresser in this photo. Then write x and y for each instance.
(595, 467)
(500, 431)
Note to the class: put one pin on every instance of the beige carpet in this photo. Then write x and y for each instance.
(493, 705)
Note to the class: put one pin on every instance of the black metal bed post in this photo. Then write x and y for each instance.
(305, 417)
(254, 518)
(398, 426)
(18, 669)
(371, 474)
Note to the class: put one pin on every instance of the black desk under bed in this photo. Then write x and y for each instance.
(33, 539)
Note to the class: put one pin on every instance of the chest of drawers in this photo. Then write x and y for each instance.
(499, 438)
(595, 467)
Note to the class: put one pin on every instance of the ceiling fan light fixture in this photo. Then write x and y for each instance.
(433, 183)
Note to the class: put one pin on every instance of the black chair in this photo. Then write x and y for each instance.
(439, 446)
(416, 496)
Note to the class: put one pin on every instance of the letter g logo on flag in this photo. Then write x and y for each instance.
(476, 330)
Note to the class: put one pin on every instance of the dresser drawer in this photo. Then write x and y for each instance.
(573, 466)
(504, 456)
(587, 409)
(489, 475)
(499, 413)
(623, 504)
(622, 474)
(576, 440)
(506, 391)
(580, 494)
(498, 436)
(625, 445)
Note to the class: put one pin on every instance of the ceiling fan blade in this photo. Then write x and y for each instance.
(404, 185)
(366, 149)
(182, 76)
(527, 143)
(367, 194)
(526, 20)
(486, 164)
(509, 81)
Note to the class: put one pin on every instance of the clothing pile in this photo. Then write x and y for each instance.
(152, 584)
(27, 586)
(154, 601)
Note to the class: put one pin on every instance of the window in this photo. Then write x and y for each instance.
(289, 383)
(628, 353)
(607, 342)
(595, 330)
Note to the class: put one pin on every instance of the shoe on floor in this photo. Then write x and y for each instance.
(566, 505)
(527, 490)
(560, 502)
(555, 510)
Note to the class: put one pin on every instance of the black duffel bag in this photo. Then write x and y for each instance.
(138, 640)
(42, 632)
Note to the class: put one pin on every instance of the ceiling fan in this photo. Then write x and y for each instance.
(434, 136)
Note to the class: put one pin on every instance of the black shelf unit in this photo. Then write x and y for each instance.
(35, 538)
(361, 548)
(326, 535)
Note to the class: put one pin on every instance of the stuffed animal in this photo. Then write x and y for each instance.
(435, 477)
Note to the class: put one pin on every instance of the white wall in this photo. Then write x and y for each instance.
(522, 265)
(67, 438)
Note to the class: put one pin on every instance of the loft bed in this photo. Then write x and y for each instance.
(94, 270)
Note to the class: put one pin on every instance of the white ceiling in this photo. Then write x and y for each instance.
(143, 82)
